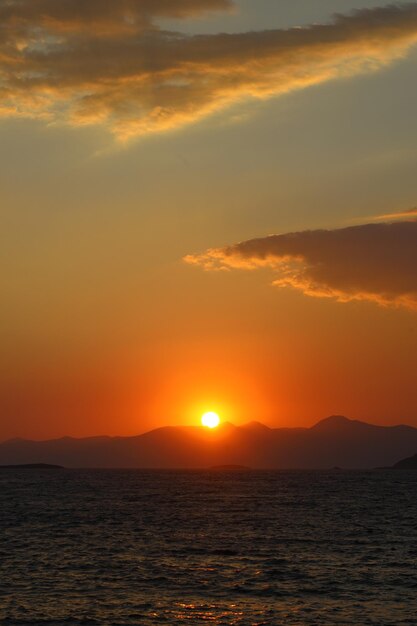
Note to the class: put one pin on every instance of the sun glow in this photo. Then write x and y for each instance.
(210, 420)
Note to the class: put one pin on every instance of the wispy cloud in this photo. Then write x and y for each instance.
(409, 214)
(90, 62)
(375, 262)
(108, 18)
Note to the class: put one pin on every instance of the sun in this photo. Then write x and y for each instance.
(210, 420)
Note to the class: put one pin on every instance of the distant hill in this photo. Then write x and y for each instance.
(409, 463)
(32, 466)
(230, 468)
(333, 442)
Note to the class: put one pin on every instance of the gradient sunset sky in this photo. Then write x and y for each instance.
(206, 205)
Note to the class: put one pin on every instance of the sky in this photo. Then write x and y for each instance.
(206, 205)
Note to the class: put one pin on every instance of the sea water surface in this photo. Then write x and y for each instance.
(208, 547)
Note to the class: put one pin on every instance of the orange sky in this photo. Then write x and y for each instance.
(125, 187)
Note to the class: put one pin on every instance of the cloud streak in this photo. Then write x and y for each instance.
(374, 262)
(94, 62)
(400, 215)
(25, 17)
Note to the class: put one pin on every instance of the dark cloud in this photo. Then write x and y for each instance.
(376, 262)
(90, 61)
(107, 16)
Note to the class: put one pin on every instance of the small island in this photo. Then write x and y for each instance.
(32, 466)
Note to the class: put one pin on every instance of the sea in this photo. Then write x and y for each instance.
(247, 548)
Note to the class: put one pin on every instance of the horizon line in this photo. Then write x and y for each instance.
(205, 429)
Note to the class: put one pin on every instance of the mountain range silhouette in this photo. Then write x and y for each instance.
(333, 442)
